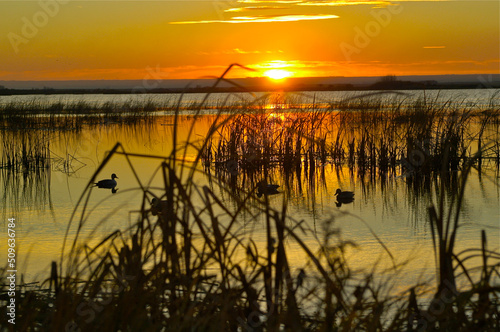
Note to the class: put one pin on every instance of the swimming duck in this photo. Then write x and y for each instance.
(344, 195)
(267, 189)
(158, 206)
(108, 183)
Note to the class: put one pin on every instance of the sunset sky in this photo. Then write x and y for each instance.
(73, 40)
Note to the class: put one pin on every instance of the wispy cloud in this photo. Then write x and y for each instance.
(327, 3)
(278, 4)
(333, 3)
(264, 19)
(241, 9)
(271, 1)
(295, 64)
(240, 51)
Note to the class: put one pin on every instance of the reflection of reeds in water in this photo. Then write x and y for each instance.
(28, 128)
(416, 139)
(25, 171)
(25, 151)
(187, 264)
(24, 191)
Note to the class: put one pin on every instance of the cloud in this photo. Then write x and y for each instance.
(271, 1)
(241, 9)
(333, 3)
(296, 64)
(328, 3)
(264, 19)
(239, 51)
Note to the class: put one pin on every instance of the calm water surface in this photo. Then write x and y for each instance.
(461, 97)
(386, 210)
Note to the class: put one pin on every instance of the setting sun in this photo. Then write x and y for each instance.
(277, 74)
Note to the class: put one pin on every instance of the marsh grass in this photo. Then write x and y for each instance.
(416, 138)
(188, 264)
(58, 116)
(29, 129)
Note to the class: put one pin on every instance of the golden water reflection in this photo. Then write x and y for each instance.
(387, 207)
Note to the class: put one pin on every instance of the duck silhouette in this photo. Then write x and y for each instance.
(344, 195)
(107, 183)
(158, 206)
(263, 188)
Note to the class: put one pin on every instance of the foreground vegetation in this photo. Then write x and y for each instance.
(187, 264)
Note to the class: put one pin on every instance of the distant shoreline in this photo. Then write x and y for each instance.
(250, 84)
(379, 86)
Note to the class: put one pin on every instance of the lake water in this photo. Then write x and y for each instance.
(386, 209)
(477, 97)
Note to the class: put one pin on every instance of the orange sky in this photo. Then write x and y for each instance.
(50, 40)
